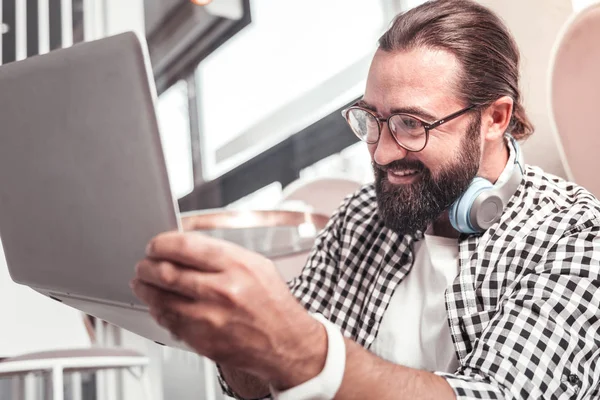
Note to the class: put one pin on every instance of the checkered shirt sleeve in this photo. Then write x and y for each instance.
(314, 286)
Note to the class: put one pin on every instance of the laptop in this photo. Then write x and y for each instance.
(83, 180)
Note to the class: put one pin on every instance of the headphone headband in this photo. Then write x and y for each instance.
(483, 202)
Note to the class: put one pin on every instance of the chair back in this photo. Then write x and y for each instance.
(575, 96)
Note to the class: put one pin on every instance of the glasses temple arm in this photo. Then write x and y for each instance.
(449, 118)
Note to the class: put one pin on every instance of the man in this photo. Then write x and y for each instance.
(507, 308)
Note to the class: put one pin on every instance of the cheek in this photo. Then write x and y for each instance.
(444, 143)
(372, 148)
(439, 155)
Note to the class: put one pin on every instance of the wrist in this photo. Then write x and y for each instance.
(305, 355)
(327, 383)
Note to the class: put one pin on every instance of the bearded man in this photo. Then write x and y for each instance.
(460, 273)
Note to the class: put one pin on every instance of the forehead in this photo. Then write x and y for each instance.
(420, 77)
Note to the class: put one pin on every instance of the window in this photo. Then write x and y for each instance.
(296, 63)
(266, 198)
(353, 162)
(408, 4)
(174, 121)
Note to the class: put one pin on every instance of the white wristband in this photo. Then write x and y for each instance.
(325, 385)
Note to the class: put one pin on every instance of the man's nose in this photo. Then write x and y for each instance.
(387, 149)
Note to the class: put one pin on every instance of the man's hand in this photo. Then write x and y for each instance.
(230, 305)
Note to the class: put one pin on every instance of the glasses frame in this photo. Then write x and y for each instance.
(426, 125)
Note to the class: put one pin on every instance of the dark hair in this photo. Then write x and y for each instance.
(481, 42)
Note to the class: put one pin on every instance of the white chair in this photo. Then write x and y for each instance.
(575, 96)
(57, 363)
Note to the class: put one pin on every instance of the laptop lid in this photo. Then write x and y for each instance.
(83, 182)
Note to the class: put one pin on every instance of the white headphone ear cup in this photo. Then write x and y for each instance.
(488, 208)
(460, 211)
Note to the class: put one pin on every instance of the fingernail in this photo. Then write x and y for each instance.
(132, 284)
(149, 248)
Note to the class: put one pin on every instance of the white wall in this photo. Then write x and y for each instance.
(581, 4)
(122, 16)
(535, 25)
(32, 322)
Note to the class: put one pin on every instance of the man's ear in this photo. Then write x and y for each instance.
(496, 118)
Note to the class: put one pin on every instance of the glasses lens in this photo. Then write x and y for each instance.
(363, 124)
(409, 131)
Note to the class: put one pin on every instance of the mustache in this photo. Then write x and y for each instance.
(400, 165)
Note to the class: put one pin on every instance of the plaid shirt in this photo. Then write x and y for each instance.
(524, 311)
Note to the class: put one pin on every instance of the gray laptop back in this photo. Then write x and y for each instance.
(83, 183)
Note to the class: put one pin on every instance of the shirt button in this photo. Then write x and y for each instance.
(371, 322)
(574, 380)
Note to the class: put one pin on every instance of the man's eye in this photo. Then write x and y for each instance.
(410, 123)
(372, 123)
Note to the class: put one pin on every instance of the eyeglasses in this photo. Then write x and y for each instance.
(410, 132)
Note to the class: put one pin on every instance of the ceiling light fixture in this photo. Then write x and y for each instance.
(201, 2)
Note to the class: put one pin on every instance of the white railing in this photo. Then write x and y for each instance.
(43, 26)
(94, 25)
(66, 12)
(21, 29)
(1, 31)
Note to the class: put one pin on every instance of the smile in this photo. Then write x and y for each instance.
(402, 177)
(405, 173)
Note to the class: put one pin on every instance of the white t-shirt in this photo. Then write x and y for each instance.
(414, 330)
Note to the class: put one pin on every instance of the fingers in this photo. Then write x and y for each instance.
(166, 308)
(197, 251)
(157, 298)
(179, 280)
(172, 311)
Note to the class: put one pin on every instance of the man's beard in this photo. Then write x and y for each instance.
(408, 208)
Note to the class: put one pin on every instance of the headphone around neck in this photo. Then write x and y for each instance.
(482, 204)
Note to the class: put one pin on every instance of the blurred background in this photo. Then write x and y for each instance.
(249, 100)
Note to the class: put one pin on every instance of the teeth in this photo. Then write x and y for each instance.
(404, 173)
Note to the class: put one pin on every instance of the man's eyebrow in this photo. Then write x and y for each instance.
(416, 111)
